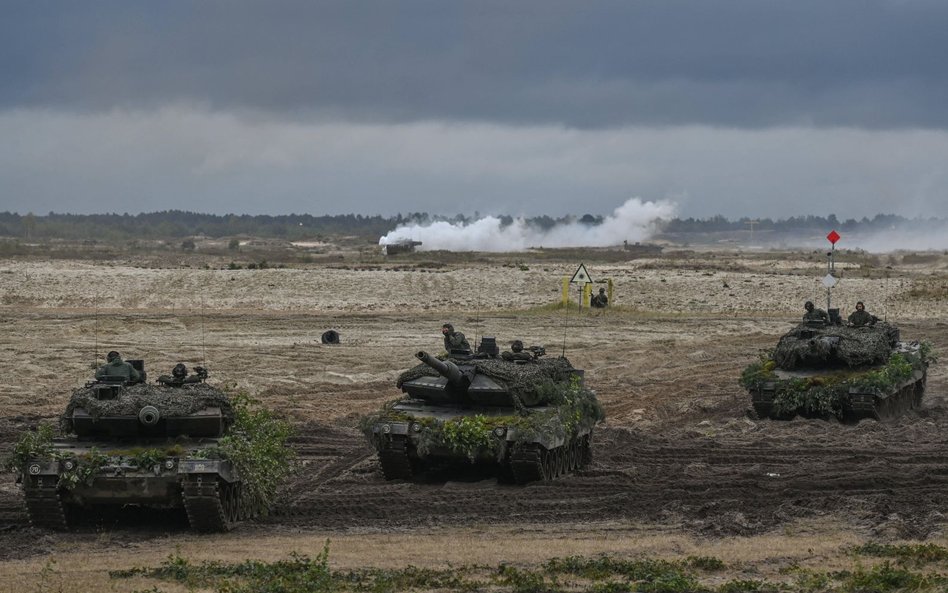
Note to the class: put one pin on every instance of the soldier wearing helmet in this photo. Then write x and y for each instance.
(116, 367)
(454, 340)
(814, 314)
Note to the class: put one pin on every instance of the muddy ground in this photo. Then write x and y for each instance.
(680, 452)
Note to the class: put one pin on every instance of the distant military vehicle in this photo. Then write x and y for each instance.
(398, 247)
(823, 370)
(138, 444)
(530, 416)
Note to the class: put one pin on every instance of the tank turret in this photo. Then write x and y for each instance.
(530, 416)
(179, 405)
(131, 443)
(822, 370)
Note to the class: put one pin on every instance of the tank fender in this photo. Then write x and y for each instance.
(207, 467)
(41, 468)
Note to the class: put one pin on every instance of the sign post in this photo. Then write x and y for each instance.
(829, 281)
(581, 277)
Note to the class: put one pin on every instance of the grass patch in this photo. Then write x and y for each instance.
(573, 574)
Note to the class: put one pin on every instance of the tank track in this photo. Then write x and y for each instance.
(395, 459)
(212, 505)
(46, 508)
(533, 462)
(907, 398)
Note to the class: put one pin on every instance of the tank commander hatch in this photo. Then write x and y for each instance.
(116, 367)
(454, 340)
(860, 317)
(814, 313)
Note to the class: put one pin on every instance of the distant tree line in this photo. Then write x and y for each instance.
(177, 224)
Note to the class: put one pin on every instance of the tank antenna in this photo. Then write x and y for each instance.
(95, 351)
(565, 326)
(203, 344)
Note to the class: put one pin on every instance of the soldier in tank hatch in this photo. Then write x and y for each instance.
(454, 340)
(516, 352)
(116, 367)
(814, 313)
(860, 317)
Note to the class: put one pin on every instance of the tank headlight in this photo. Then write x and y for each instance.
(416, 426)
(34, 469)
(500, 431)
(69, 465)
(169, 464)
(386, 428)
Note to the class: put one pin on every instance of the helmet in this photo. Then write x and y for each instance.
(516, 346)
(112, 356)
(179, 371)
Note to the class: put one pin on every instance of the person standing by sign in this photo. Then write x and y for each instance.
(600, 301)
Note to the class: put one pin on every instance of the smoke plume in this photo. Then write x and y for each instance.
(633, 221)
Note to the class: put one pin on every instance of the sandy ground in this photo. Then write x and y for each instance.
(681, 468)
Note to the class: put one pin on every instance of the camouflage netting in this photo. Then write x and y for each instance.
(171, 402)
(835, 346)
(523, 380)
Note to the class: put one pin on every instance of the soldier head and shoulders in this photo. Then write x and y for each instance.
(454, 340)
(516, 352)
(116, 367)
(179, 376)
(814, 313)
(860, 317)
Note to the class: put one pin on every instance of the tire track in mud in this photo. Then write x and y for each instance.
(891, 476)
(728, 477)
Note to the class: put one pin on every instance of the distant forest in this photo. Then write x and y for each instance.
(176, 224)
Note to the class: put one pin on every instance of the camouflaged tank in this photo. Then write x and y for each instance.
(137, 444)
(531, 418)
(824, 370)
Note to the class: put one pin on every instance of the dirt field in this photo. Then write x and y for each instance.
(680, 468)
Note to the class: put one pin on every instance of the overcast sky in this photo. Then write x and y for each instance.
(742, 108)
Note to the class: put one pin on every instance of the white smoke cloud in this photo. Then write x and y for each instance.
(633, 221)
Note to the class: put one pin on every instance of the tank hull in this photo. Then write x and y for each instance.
(856, 404)
(403, 452)
(90, 476)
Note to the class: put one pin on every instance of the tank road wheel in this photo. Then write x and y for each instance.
(45, 507)
(213, 505)
(395, 459)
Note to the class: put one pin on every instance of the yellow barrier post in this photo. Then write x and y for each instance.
(587, 290)
(611, 302)
(565, 291)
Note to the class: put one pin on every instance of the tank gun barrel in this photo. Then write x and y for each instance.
(445, 368)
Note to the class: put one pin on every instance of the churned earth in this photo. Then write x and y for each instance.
(681, 466)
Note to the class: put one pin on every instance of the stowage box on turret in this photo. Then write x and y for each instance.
(137, 444)
(823, 370)
(530, 416)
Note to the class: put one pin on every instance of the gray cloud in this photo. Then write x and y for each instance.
(189, 158)
(734, 63)
(734, 107)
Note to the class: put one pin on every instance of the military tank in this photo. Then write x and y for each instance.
(530, 417)
(825, 369)
(131, 443)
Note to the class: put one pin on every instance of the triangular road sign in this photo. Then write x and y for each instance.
(581, 276)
